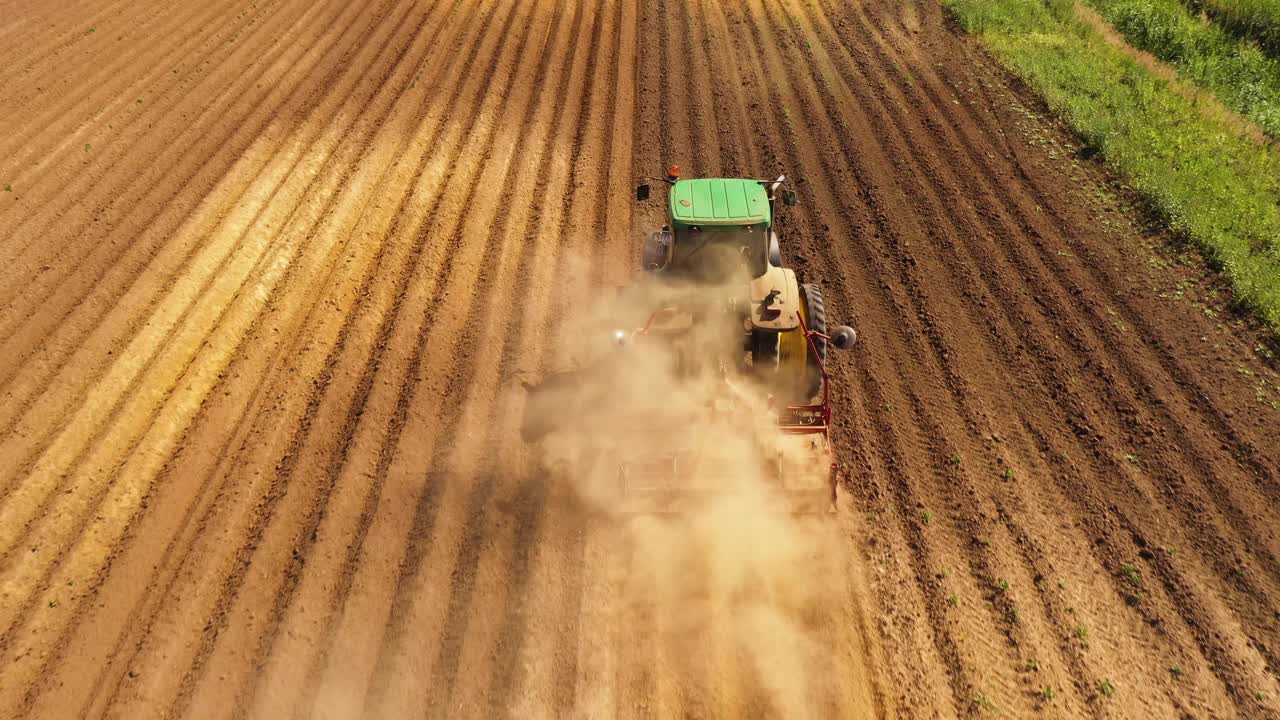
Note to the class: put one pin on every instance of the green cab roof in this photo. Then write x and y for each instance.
(719, 201)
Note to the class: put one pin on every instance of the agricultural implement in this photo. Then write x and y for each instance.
(721, 388)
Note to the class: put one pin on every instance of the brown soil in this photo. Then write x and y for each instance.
(273, 273)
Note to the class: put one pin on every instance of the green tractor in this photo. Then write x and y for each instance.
(720, 232)
(717, 378)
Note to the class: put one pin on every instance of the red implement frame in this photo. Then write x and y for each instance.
(793, 419)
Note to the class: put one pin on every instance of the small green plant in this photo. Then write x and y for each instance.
(925, 517)
(1106, 688)
(1007, 474)
(952, 600)
(1175, 670)
(1081, 632)
(984, 703)
(1047, 692)
(1002, 586)
(954, 459)
(1131, 458)
(86, 147)
(1032, 666)
(54, 603)
(984, 542)
(1130, 573)
(8, 188)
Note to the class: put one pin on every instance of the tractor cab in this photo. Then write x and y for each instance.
(718, 229)
(720, 235)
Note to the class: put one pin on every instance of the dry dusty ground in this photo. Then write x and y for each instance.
(272, 270)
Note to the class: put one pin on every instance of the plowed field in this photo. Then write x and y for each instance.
(273, 273)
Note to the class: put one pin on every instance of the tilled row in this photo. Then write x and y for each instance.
(1085, 402)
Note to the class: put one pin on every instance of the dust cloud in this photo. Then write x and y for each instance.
(742, 589)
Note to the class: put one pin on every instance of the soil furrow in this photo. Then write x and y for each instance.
(1197, 399)
(109, 88)
(78, 355)
(96, 206)
(124, 470)
(1170, 474)
(430, 320)
(52, 34)
(1078, 680)
(906, 318)
(332, 394)
(88, 360)
(422, 520)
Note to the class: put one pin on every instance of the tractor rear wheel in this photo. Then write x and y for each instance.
(799, 368)
(816, 317)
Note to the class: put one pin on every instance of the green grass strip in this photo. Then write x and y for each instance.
(1206, 181)
(1243, 77)
(1255, 19)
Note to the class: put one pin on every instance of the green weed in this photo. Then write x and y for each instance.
(1255, 19)
(1131, 574)
(1243, 78)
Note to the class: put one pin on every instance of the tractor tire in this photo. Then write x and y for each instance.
(815, 312)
